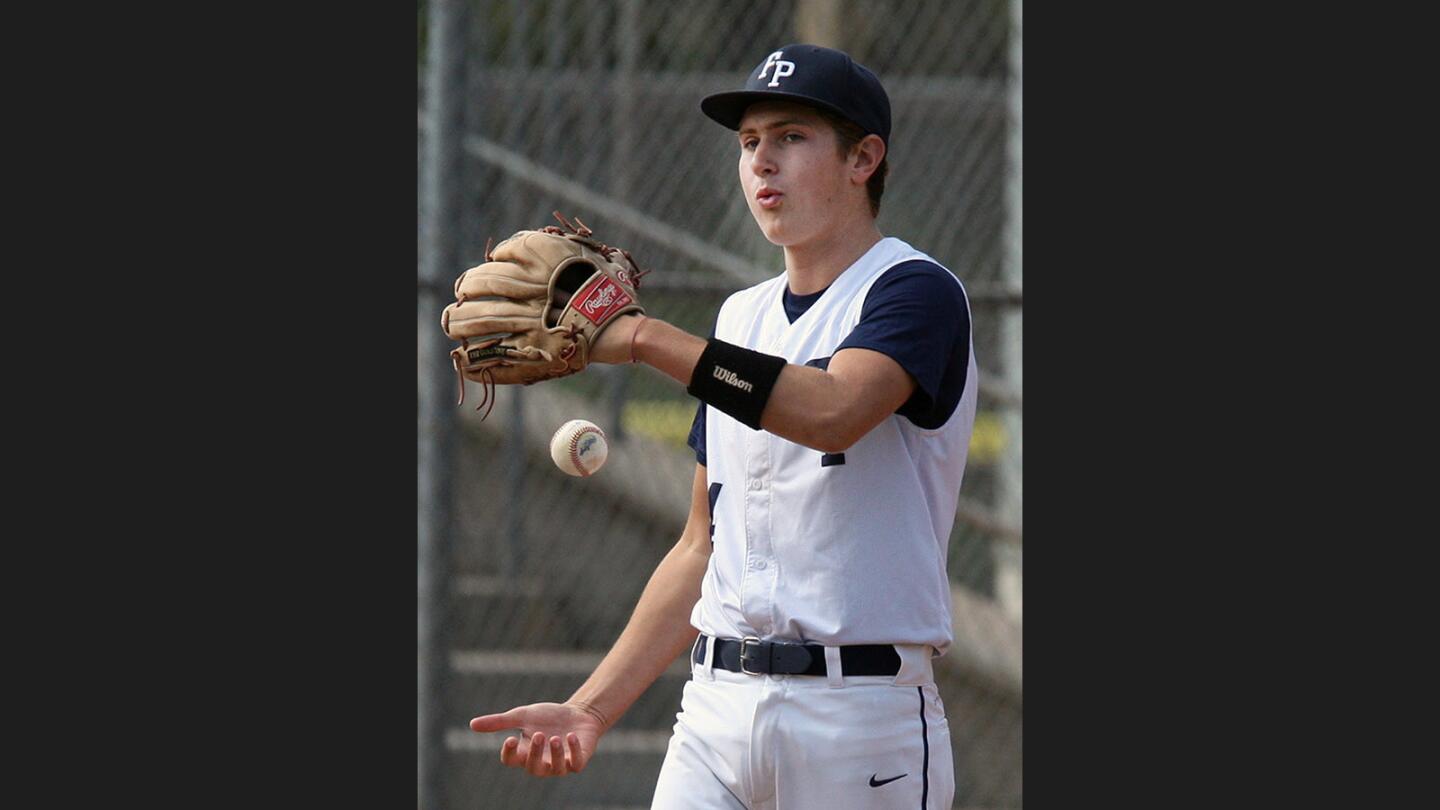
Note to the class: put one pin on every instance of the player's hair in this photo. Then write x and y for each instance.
(847, 135)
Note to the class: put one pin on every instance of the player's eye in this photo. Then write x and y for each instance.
(794, 137)
(748, 143)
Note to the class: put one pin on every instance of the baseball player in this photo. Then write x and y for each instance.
(836, 405)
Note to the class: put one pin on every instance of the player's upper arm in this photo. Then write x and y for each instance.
(829, 407)
(915, 324)
(875, 386)
(696, 536)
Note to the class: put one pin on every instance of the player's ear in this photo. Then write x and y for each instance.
(865, 158)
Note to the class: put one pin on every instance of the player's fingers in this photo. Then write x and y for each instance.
(508, 755)
(496, 722)
(575, 760)
(535, 761)
(557, 757)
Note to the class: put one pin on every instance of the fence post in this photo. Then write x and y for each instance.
(439, 255)
(1009, 497)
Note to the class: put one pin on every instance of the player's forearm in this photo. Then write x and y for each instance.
(667, 348)
(658, 631)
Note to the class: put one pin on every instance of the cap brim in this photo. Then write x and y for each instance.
(727, 109)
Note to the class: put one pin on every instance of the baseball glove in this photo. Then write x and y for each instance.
(536, 306)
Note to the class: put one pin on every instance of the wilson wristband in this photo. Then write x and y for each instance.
(734, 380)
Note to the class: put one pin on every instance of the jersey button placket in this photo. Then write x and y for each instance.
(756, 591)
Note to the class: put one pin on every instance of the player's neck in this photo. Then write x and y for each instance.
(812, 267)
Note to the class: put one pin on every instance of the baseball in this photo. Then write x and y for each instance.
(579, 448)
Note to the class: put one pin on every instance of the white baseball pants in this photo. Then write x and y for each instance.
(806, 742)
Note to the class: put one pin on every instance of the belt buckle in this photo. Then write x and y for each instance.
(743, 642)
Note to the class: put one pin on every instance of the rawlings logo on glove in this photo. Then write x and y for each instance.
(532, 311)
(593, 302)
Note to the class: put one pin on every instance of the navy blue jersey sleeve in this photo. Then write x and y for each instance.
(697, 427)
(915, 314)
(697, 435)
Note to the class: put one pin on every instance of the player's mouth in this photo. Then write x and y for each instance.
(768, 198)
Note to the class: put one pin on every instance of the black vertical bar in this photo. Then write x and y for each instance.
(924, 738)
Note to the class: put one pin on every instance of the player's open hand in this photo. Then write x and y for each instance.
(555, 738)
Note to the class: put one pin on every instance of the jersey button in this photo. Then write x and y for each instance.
(756, 483)
(760, 565)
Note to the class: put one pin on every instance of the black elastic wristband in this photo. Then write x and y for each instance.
(734, 380)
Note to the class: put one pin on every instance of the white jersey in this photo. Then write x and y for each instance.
(832, 549)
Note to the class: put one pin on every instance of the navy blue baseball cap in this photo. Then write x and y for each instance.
(814, 76)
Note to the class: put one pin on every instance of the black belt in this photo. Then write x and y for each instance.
(756, 657)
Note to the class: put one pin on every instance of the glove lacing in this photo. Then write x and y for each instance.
(631, 277)
(487, 381)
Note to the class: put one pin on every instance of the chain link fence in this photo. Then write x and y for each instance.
(592, 108)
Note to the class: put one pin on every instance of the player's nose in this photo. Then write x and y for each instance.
(761, 162)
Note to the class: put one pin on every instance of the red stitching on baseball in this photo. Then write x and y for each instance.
(575, 452)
